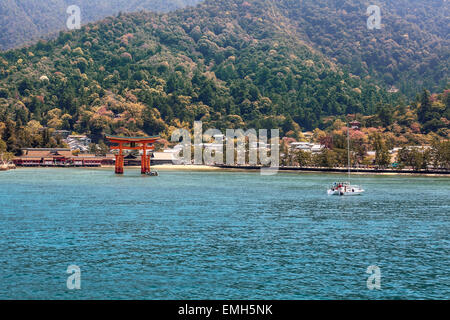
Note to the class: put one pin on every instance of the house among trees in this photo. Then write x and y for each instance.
(355, 125)
(78, 142)
(393, 89)
(308, 135)
(307, 146)
(62, 133)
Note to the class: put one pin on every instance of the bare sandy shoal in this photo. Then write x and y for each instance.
(174, 167)
(185, 167)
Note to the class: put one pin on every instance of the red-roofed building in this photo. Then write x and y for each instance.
(58, 157)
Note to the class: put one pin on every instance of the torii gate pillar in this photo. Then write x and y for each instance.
(119, 160)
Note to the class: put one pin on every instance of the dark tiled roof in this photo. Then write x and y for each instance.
(132, 138)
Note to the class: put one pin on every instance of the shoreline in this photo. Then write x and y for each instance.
(225, 168)
(355, 171)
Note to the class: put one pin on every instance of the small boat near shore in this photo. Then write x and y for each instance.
(346, 188)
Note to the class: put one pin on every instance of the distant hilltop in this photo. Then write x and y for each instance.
(26, 21)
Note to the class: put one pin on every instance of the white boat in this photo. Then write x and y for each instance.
(345, 188)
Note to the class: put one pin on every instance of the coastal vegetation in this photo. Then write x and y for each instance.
(435, 156)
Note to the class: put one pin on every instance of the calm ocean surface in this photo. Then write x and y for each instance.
(226, 235)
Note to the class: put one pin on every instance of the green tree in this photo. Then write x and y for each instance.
(103, 149)
(385, 115)
(424, 111)
(2, 146)
(10, 137)
(46, 138)
(285, 154)
(382, 155)
(303, 158)
(327, 158)
(4, 155)
(440, 154)
(404, 157)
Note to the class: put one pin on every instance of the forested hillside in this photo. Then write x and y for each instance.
(410, 51)
(22, 21)
(229, 63)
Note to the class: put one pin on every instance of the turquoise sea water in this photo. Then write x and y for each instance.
(220, 235)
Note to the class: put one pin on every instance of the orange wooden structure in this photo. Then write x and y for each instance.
(133, 143)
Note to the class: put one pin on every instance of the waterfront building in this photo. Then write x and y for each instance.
(164, 158)
(43, 156)
(109, 159)
(57, 157)
(132, 160)
(87, 160)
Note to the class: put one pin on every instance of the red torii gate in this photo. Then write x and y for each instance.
(146, 144)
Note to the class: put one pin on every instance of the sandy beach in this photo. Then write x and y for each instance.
(185, 167)
(175, 167)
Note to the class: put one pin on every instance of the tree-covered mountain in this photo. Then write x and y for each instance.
(229, 63)
(411, 50)
(23, 21)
